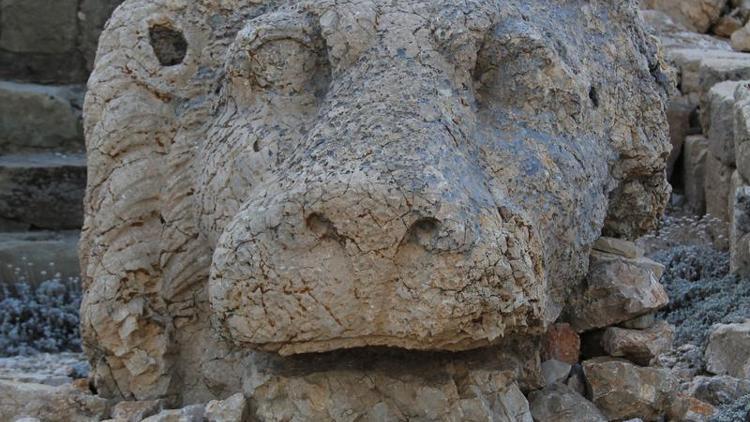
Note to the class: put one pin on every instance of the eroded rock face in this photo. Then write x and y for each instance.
(308, 176)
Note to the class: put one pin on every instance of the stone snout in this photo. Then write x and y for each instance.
(414, 261)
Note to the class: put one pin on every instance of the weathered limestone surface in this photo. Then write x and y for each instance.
(49, 403)
(718, 120)
(622, 390)
(694, 172)
(716, 184)
(307, 176)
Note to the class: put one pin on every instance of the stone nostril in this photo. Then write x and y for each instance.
(423, 232)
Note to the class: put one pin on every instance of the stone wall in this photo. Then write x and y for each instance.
(47, 50)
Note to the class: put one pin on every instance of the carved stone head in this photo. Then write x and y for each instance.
(306, 176)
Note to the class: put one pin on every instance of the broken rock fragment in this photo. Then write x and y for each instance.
(728, 350)
(639, 346)
(618, 289)
(622, 390)
(560, 403)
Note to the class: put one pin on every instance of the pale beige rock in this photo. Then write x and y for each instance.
(136, 411)
(230, 410)
(307, 176)
(739, 226)
(741, 39)
(639, 346)
(728, 350)
(727, 25)
(560, 403)
(694, 171)
(717, 115)
(622, 390)
(716, 186)
(622, 247)
(50, 404)
(347, 395)
(698, 15)
(618, 289)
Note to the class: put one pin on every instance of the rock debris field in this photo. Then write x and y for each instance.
(371, 210)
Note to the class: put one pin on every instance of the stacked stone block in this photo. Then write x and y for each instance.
(46, 53)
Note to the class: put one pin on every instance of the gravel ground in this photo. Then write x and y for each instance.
(50, 369)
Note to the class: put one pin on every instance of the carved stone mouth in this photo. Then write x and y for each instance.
(311, 287)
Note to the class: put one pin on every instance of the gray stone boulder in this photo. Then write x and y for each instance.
(560, 403)
(49, 403)
(307, 176)
(728, 350)
(718, 390)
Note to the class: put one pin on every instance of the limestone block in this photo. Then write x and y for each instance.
(622, 247)
(716, 184)
(618, 289)
(232, 409)
(679, 116)
(718, 120)
(38, 26)
(560, 403)
(639, 346)
(622, 390)
(36, 118)
(728, 350)
(694, 172)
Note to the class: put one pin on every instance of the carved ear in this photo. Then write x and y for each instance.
(141, 253)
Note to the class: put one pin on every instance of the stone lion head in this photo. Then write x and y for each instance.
(306, 176)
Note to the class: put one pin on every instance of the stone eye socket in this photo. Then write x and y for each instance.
(169, 44)
(286, 65)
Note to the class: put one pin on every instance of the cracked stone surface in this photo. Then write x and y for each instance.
(289, 177)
